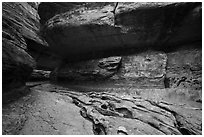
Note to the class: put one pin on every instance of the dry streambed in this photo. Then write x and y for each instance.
(52, 109)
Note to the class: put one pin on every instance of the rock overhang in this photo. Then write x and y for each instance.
(132, 26)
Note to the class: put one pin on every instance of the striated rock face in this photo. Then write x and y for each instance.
(77, 31)
(150, 69)
(136, 68)
(103, 31)
(147, 69)
(19, 24)
(99, 69)
(17, 65)
(96, 30)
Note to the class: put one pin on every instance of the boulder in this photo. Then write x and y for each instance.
(115, 29)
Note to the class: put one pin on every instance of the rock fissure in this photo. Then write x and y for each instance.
(91, 112)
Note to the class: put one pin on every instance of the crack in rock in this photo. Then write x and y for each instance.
(109, 111)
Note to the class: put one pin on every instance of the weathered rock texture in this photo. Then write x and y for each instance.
(103, 110)
(39, 75)
(184, 69)
(103, 31)
(161, 25)
(22, 47)
(151, 69)
(135, 45)
(130, 113)
(147, 70)
(100, 69)
(18, 23)
(47, 10)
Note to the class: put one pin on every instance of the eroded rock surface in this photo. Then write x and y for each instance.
(100, 32)
(147, 69)
(100, 69)
(18, 23)
(137, 115)
(106, 111)
(22, 45)
(38, 75)
(139, 68)
(150, 69)
(184, 69)
(160, 24)
(47, 10)
(44, 113)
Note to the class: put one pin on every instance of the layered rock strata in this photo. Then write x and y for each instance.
(20, 24)
(115, 28)
(107, 29)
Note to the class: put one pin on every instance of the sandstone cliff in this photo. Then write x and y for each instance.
(102, 68)
(109, 29)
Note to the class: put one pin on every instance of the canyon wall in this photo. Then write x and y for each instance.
(159, 43)
(22, 45)
(19, 22)
(151, 45)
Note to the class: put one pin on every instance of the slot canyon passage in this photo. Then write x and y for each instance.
(101, 68)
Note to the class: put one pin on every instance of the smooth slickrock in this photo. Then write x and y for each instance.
(103, 109)
(99, 32)
(99, 69)
(42, 113)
